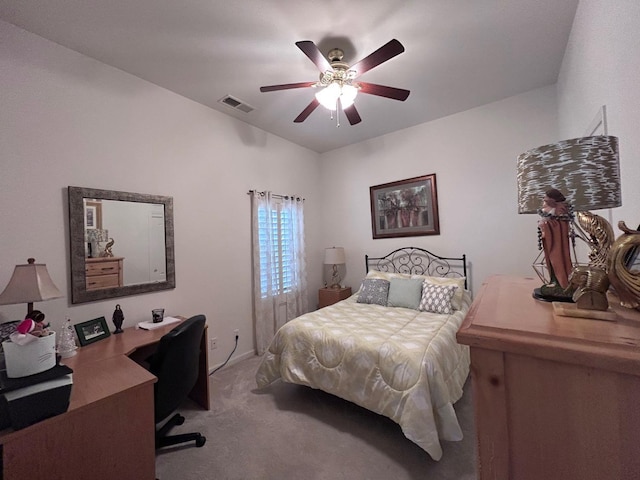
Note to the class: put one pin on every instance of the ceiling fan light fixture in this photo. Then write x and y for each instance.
(337, 80)
(329, 95)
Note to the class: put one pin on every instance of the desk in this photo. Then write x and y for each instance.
(555, 397)
(108, 431)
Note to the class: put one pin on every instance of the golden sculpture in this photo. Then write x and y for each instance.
(600, 239)
(107, 249)
(591, 285)
(625, 282)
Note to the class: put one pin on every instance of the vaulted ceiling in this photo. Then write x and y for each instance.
(459, 54)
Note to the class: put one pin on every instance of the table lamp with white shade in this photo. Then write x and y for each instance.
(29, 283)
(334, 256)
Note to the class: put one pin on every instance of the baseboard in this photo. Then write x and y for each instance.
(234, 360)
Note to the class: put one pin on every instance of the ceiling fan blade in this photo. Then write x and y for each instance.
(384, 91)
(384, 53)
(310, 50)
(307, 111)
(286, 86)
(352, 114)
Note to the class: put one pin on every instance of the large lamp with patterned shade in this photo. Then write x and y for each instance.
(587, 171)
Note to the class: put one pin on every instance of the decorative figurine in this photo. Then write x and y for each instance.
(34, 324)
(624, 277)
(66, 342)
(553, 237)
(107, 249)
(591, 285)
(118, 318)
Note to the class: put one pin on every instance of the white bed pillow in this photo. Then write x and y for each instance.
(437, 298)
(405, 292)
(386, 275)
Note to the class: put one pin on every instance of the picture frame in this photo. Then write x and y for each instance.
(405, 208)
(92, 215)
(92, 330)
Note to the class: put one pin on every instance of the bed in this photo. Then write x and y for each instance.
(393, 353)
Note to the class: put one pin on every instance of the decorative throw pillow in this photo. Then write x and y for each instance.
(456, 301)
(404, 292)
(437, 298)
(374, 290)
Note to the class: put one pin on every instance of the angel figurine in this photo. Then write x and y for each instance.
(118, 318)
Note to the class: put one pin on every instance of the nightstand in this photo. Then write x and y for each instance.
(329, 296)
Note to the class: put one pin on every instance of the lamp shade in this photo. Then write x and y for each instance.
(334, 256)
(29, 283)
(97, 235)
(586, 170)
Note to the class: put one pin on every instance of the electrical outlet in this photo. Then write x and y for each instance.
(213, 343)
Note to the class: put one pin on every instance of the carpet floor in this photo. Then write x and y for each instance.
(292, 432)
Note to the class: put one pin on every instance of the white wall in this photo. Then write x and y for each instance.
(602, 67)
(473, 155)
(66, 119)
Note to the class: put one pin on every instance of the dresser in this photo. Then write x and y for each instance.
(555, 397)
(104, 272)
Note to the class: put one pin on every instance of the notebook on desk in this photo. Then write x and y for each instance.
(153, 326)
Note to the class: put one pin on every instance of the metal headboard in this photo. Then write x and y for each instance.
(418, 261)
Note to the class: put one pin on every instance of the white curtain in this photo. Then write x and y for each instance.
(279, 267)
(297, 297)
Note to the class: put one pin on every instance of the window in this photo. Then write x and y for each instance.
(279, 265)
(279, 229)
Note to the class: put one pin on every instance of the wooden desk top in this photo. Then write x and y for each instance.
(121, 344)
(103, 369)
(505, 316)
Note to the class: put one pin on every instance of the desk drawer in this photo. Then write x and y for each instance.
(103, 281)
(102, 268)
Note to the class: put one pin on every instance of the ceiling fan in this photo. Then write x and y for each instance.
(338, 89)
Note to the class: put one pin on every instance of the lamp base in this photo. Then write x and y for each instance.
(545, 296)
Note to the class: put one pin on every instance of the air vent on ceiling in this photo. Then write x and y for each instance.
(237, 104)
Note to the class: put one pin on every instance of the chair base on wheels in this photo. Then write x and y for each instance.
(164, 440)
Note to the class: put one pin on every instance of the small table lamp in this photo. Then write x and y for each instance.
(334, 256)
(29, 283)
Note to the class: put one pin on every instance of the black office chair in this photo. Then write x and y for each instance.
(175, 363)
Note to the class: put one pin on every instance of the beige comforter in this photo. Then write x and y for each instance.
(397, 362)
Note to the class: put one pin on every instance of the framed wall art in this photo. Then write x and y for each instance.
(92, 331)
(92, 215)
(405, 208)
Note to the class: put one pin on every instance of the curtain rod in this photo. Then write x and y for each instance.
(276, 195)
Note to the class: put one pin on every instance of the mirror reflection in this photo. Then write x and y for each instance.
(121, 243)
(124, 243)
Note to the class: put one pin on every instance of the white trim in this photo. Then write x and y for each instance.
(234, 360)
(598, 125)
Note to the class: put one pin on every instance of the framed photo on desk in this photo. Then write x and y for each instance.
(92, 331)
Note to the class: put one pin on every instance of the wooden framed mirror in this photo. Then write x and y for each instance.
(121, 244)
